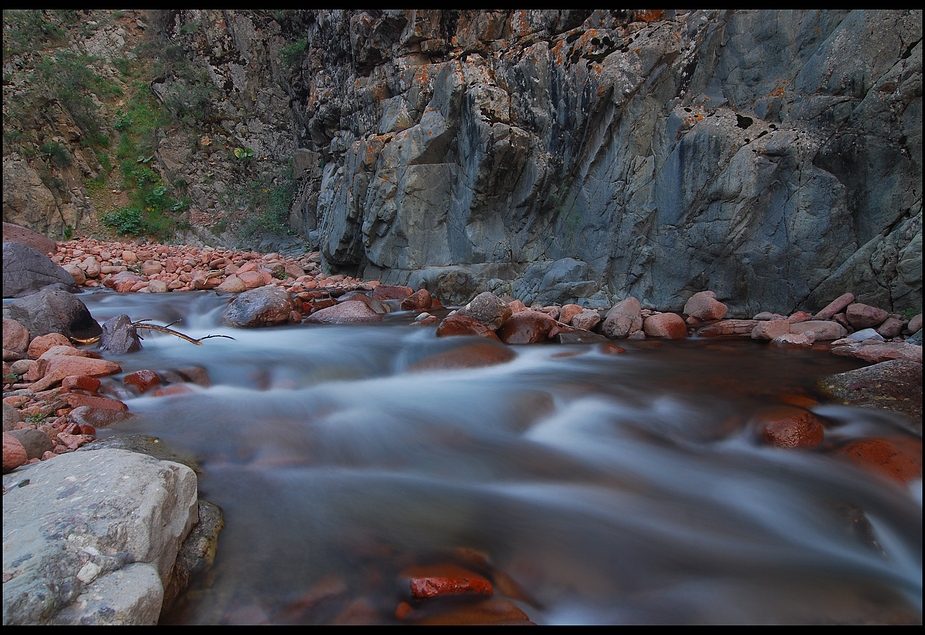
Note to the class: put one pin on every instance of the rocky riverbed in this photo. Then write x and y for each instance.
(52, 376)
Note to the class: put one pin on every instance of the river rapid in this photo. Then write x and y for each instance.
(595, 488)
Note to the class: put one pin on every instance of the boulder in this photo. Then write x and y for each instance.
(17, 234)
(526, 327)
(488, 309)
(55, 310)
(109, 523)
(119, 336)
(347, 312)
(837, 305)
(821, 329)
(264, 306)
(862, 316)
(26, 270)
(769, 329)
(666, 325)
(15, 338)
(705, 306)
(623, 318)
(894, 385)
(462, 325)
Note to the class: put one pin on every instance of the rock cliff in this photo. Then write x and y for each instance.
(774, 157)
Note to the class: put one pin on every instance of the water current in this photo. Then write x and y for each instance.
(594, 488)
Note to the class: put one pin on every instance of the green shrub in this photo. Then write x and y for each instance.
(292, 53)
(57, 153)
(127, 220)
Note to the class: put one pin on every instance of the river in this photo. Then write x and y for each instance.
(594, 488)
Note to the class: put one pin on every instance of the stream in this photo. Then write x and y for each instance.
(593, 488)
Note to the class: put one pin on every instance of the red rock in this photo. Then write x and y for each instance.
(60, 366)
(667, 325)
(74, 441)
(490, 611)
(430, 581)
(516, 306)
(317, 305)
(420, 300)
(862, 316)
(821, 329)
(876, 352)
(473, 354)
(725, 328)
(623, 319)
(898, 458)
(790, 427)
(586, 320)
(348, 312)
(122, 281)
(151, 267)
(799, 400)
(143, 380)
(488, 309)
(80, 382)
(173, 389)
(891, 327)
(15, 337)
(769, 329)
(835, 306)
(426, 318)
(705, 306)
(14, 453)
(612, 349)
(568, 311)
(251, 279)
(76, 400)
(232, 284)
(799, 316)
(462, 325)
(794, 340)
(391, 292)
(39, 345)
(526, 327)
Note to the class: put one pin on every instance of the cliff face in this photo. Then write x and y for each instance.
(774, 157)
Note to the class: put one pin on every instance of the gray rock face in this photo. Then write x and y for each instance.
(772, 156)
(91, 538)
(26, 270)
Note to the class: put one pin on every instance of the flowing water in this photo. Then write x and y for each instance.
(593, 487)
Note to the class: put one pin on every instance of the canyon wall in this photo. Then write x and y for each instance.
(774, 157)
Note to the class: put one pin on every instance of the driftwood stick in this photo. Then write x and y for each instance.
(141, 324)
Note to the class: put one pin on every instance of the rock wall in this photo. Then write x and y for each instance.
(774, 157)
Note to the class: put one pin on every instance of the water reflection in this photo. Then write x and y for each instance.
(601, 488)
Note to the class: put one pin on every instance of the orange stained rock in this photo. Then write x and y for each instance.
(899, 458)
(428, 581)
(790, 427)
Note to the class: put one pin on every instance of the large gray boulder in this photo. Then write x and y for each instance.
(264, 306)
(26, 270)
(92, 537)
(55, 310)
